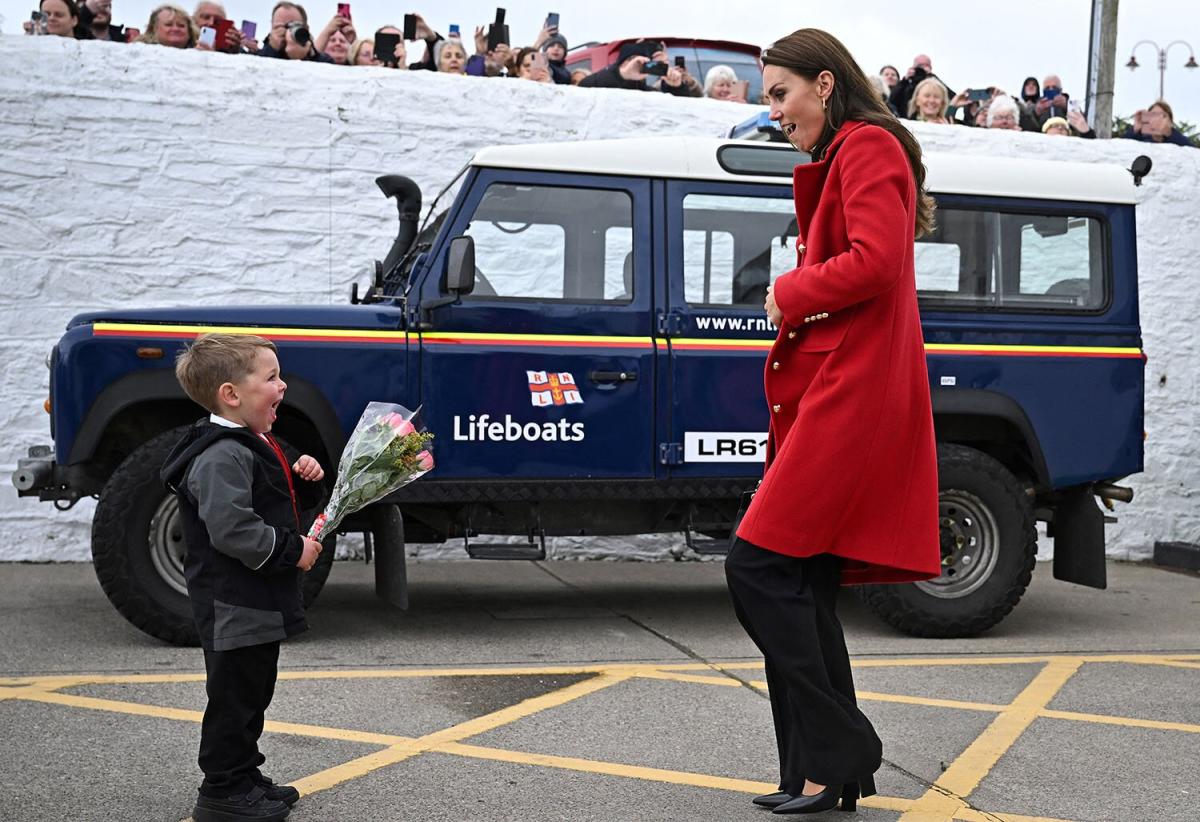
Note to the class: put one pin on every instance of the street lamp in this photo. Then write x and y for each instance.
(1162, 59)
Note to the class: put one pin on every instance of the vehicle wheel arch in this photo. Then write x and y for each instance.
(139, 407)
(993, 423)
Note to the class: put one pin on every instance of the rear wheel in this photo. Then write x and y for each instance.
(138, 547)
(988, 546)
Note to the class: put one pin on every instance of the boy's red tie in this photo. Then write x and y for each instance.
(287, 473)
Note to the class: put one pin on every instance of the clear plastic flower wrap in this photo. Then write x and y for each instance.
(385, 451)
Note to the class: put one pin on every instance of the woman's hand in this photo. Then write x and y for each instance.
(1078, 121)
(773, 312)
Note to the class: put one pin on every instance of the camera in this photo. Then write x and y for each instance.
(656, 68)
(300, 33)
(38, 19)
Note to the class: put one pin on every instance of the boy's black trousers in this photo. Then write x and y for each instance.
(787, 606)
(240, 685)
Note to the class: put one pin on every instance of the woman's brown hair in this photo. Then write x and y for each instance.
(808, 52)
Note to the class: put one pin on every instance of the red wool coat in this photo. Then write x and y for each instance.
(851, 463)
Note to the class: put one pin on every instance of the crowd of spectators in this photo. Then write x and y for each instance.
(918, 94)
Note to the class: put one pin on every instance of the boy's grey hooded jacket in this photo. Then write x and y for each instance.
(242, 533)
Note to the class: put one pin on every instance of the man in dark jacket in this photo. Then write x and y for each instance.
(902, 92)
(96, 17)
(290, 37)
(628, 72)
(239, 507)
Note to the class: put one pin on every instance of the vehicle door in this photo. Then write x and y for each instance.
(725, 244)
(545, 370)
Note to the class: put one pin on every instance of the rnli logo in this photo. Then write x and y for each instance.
(548, 388)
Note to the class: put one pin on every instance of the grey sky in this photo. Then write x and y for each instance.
(972, 44)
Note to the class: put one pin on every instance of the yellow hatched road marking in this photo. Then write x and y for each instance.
(945, 799)
(1127, 721)
(398, 753)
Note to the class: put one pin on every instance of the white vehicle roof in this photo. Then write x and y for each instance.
(695, 158)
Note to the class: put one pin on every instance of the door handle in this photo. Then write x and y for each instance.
(612, 376)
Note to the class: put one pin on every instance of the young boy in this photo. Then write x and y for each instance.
(240, 505)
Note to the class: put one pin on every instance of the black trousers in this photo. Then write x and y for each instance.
(787, 606)
(240, 686)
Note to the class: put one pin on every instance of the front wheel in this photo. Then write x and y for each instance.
(988, 545)
(138, 547)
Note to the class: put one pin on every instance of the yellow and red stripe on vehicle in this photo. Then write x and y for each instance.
(448, 338)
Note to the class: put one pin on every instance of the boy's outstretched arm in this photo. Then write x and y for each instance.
(310, 491)
(220, 480)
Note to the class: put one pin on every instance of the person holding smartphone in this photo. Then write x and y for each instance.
(639, 62)
(531, 64)
(555, 49)
(389, 48)
(337, 25)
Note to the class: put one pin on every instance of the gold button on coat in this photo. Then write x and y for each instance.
(800, 248)
(776, 408)
(775, 365)
(791, 335)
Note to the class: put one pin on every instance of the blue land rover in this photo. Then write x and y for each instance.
(583, 327)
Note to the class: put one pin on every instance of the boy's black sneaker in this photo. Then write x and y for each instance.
(280, 793)
(253, 804)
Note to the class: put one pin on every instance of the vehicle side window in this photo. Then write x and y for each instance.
(734, 247)
(553, 243)
(993, 259)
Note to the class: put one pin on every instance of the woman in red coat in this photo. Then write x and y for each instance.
(849, 495)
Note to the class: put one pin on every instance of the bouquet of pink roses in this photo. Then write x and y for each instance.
(385, 452)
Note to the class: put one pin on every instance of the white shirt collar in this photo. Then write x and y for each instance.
(217, 419)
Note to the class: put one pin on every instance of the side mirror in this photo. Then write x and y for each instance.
(460, 266)
(1050, 226)
(1140, 168)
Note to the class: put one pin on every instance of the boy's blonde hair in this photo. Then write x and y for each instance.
(215, 359)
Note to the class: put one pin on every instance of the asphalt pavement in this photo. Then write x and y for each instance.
(605, 691)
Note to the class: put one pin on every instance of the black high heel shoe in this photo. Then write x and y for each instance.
(772, 800)
(828, 799)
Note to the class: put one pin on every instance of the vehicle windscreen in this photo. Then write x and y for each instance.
(700, 59)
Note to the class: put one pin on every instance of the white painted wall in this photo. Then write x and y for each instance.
(142, 175)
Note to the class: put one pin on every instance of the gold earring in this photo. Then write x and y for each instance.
(824, 103)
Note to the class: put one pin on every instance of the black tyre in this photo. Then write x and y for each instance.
(989, 546)
(138, 548)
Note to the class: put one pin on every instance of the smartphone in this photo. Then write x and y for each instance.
(343, 10)
(1051, 93)
(455, 31)
(655, 67)
(249, 29)
(552, 20)
(1074, 106)
(978, 95)
(222, 27)
(497, 34)
(208, 36)
(681, 62)
(410, 27)
(539, 61)
(385, 47)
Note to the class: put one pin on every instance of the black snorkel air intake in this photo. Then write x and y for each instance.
(408, 206)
